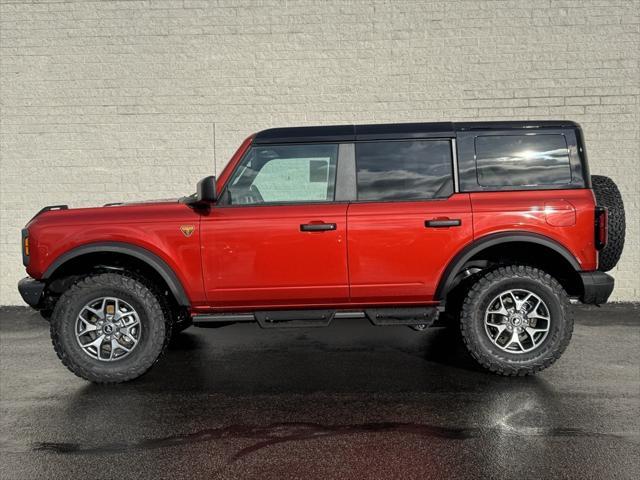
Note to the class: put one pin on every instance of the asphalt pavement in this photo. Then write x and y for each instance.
(350, 401)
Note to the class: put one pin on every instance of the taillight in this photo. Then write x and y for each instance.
(602, 227)
(26, 249)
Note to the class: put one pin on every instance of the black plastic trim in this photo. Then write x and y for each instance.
(450, 222)
(597, 287)
(151, 259)
(384, 131)
(346, 173)
(333, 133)
(317, 227)
(205, 319)
(48, 208)
(467, 164)
(31, 291)
(294, 318)
(454, 267)
(402, 316)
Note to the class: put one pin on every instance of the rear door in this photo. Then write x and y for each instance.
(277, 237)
(408, 221)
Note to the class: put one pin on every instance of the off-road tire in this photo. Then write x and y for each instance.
(154, 333)
(608, 195)
(477, 300)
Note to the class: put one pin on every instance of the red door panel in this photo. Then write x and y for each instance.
(257, 256)
(394, 257)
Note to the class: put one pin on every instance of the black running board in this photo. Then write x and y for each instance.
(402, 316)
(295, 318)
(322, 318)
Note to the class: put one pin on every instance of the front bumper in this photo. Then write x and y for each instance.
(597, 287)
(31, 291)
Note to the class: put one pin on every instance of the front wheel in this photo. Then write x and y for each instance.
(516, 320)
(108, 328)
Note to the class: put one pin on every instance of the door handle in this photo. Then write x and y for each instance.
(317, 227)
(443, 223)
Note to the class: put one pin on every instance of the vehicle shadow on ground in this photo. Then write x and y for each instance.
(305, 362)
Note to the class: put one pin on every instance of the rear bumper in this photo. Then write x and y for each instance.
(31, 291)
(597, 287)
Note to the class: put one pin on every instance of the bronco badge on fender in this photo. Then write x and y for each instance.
(187, 230)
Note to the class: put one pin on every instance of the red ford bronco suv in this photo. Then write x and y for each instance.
(493, 225)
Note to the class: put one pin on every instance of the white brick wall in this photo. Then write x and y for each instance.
(108, 101)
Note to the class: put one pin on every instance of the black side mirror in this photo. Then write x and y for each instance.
(207, 190)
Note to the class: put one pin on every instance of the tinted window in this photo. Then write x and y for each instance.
(404, 170)
(284, 173)
(521, 160)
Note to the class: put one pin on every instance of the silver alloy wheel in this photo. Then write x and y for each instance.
(108, 329)
(517, 321)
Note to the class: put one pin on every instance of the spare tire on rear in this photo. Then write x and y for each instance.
(608, 195)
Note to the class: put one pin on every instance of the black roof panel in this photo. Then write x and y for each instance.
(347, 133)
(333, 133)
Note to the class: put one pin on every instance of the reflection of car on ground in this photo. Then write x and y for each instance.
(493, 224)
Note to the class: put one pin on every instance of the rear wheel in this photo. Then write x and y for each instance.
(108, 328)
(516, 320)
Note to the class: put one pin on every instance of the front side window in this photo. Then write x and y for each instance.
(522, 160)
(282, 174)
(404, 170)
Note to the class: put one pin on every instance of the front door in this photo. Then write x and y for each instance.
(407, 223)
(276, 237)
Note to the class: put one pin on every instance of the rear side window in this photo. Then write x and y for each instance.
(522, 160)
(404, 170)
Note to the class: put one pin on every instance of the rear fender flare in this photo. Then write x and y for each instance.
(455, 266)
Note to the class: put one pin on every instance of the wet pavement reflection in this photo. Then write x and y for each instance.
(347, 401)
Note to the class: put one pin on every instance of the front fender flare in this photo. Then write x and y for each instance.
(151, 259)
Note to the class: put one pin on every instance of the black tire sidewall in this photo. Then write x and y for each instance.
(608, 195)
(145, 353)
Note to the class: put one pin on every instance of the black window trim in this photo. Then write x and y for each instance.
(346, 187)
(454, 169)
(467, 160)
(522, 134)
(287, 203)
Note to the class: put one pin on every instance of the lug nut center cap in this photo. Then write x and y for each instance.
(109, 328)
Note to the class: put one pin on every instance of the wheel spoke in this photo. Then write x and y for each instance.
(121, 346)
(533, 307)
(500, 328)
(88, 326)
(130, 338)
(537, 315)
(97, 313)
(516, 302)
(515, 338)
(501, 311)
(125, 315)
(97, 344)
(495, 324)
(532, 332)
(115, 345)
